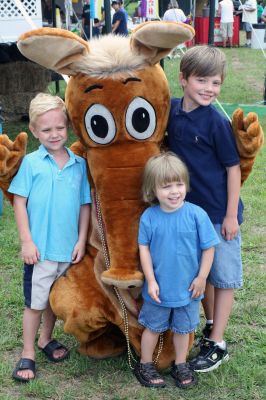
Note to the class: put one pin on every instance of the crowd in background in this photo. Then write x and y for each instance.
(250, 11)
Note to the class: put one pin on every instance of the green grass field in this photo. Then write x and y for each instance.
(242, 378)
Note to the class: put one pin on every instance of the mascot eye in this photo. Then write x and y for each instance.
(100, 124)
(140, 119)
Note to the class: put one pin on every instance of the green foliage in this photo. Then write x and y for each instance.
(242, 378)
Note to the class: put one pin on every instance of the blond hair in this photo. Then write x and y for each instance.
(160, 170)
(203, 61)
(44, 102)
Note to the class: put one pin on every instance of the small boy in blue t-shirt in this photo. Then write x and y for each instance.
(51, 205)
(204, 140)
(176, 244)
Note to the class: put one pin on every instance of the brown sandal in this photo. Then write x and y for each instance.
(146, 373)
(181, 373)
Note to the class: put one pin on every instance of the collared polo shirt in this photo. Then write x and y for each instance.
(54, 198)
(204, 140)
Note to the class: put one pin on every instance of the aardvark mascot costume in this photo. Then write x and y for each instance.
(118, 101)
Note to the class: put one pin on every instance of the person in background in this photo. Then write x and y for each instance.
(263, 15)
(260, 9)
(119, 22)
(123, 9)
(86, 15)
(174, 13)
(226, 12)
(249, 17)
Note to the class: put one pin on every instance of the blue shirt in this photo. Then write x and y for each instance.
(54, 198)
(121, 16)
(204, 140)
(176, 240)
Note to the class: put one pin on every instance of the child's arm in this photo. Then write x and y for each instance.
(230, 225)
(30, 253)
(147, 268)
(80, 247)
(199, 283)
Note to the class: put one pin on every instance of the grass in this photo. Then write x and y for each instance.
(242, 378)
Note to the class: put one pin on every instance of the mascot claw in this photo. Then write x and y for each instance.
(123, 278)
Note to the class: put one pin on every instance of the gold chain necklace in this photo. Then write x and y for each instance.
(121, 301)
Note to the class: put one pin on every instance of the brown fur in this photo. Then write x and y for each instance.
(249, 139)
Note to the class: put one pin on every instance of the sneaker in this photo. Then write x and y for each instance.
(209, 358)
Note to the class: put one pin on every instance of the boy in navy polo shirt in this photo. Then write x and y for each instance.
(203, 139)
(51, 205)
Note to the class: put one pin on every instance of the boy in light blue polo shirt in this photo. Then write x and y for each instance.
(51, 205)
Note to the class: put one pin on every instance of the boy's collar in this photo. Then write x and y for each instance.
(44, 153)
(192, 115)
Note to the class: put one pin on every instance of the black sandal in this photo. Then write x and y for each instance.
(146, 373)
(49, 349)
(181, 373)
(24, 363)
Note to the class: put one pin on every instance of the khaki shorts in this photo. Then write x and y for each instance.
(38, 279)
(226, 29)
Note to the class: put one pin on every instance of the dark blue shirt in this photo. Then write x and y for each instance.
(121, 16)
(204, 140)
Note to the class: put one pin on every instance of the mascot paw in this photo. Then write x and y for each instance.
(249, 139)
(248, 133)
(122, 278)
(11, 154)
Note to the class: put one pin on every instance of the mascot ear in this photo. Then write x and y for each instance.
(55, 49)
(155, 39)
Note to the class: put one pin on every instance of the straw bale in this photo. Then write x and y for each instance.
(19, 82)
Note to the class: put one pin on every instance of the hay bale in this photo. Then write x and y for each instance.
(20, 82)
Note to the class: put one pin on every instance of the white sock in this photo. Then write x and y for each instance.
(248, 41)
(221, 344)
(209, 321)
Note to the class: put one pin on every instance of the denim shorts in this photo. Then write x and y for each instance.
(180, 320)
(226, 271)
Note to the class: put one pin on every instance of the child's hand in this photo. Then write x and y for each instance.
(197, 287)
(29, 252)
(230, 228)
(154, 291)
(78, 252)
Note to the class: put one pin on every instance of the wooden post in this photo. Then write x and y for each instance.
(211, 22)
(107, 13)
(160, 11)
